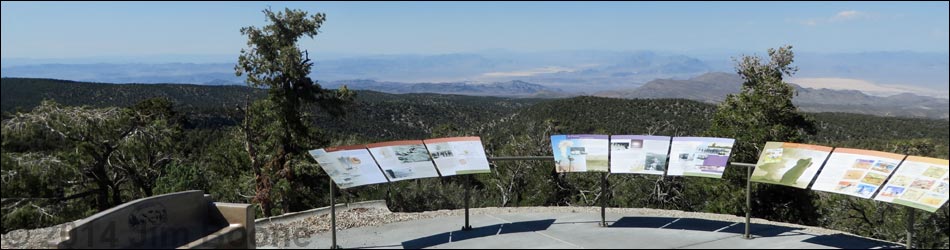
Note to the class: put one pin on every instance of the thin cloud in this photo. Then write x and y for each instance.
(810, 22)
(848, 14)
(841, 16)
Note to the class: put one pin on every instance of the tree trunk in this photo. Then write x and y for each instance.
(263, 188)
(116, 195)
(148, 191)
(97, 172)
(102, 196)
(261, 182)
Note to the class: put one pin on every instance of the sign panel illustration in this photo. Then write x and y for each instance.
(403, 160)
(790, 164)
(349, 166)
(919, 182)
(856, 172)
(580, 153)
(699, 156)
(458, 155)
(639, 154)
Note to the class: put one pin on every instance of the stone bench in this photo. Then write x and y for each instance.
(178, 220)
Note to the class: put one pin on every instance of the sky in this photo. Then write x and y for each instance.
(115, 29)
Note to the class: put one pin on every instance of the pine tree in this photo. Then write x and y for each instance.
(277, 130)
(763, 111)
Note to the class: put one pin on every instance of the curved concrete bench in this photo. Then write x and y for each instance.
(178, 220)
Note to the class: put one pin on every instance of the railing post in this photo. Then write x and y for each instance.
(748, 203)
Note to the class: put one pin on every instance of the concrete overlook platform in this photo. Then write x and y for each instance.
(555, 227)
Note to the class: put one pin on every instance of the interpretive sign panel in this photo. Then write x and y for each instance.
(580, 153)
(699, 156)
(790, 164)
(919, 182)
(458, 155)
(349, 166)
(856, 172)
(403, 160)
(639, 154)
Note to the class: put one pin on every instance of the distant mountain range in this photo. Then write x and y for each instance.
(575, 72)
(884, 78)
(189, 73)
(709, 88)
(572, 71)
(714, 87)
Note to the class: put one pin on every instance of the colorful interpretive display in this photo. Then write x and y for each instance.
(699, 156)
(458, 155)
(920, 182)
(856, 172)
(581, 153)
(790, 164)
(349, 166)
(639, 154)
(403, 160)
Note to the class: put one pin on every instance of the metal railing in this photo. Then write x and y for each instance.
(467, 227)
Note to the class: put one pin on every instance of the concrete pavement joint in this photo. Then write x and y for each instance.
(720, 230)
(671, 223)
(542, 234)
(707, 242)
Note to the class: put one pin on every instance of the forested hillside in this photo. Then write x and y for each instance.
(26, 93)
(216, 106)
(43, 183)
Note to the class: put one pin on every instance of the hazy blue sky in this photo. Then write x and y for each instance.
(69, 30)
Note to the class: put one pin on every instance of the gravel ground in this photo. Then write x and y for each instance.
(32, 239)
(282, 233)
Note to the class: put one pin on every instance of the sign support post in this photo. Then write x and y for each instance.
(333, 217)
(468, 190)
(911, 214)
(603, 200)
(748, 198)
